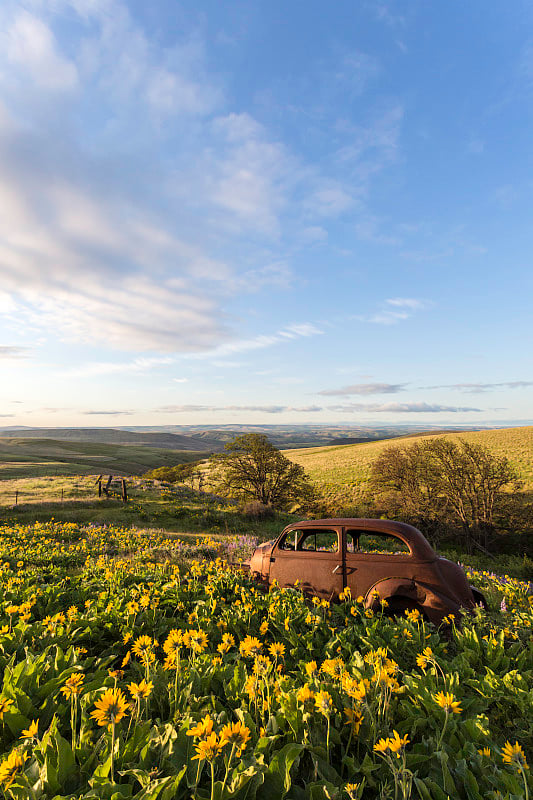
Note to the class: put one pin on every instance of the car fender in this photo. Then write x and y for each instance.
(386, 588)
(434, 604)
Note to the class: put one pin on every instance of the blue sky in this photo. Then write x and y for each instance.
(265, 212)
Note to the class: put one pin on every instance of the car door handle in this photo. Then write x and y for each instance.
(334, 571)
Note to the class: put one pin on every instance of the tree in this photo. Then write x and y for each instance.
(442, 479)
(252, 468)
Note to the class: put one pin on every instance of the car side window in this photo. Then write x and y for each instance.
(358, 541)
(288, 541)
(319, 541)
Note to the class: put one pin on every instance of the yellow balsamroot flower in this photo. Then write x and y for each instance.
(425, 657)
(334, 667)
(447, 701)
(10, 768)
(353, 688)
(311, 668)
(171, 661)
(262, 665)
(250, 646)
(413, 615)
(29, 733)
(73, 685)
(304, 694)
(513, 754)
(485, 751)
(202, 728)
(208, 749)
(397, 743)
(196, 640)
(393, 745)
(235, 734)
(173, 642)
(5, 705)
(355, 718)
(324, 703)
(140, 690)
(351, 789)
(111, 707)
(263, 628)
(250, 687)
(228, 641)
(143, 647)
(277, 650)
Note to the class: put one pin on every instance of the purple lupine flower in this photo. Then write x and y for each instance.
(503, 606)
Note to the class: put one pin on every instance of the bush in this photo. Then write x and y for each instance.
(258, 510)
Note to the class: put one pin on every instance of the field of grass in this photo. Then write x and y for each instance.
(173, 509)
(341, 472)
(33, 458)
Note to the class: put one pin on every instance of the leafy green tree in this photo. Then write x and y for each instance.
(440, 479)
(250, 467)
(179, 473)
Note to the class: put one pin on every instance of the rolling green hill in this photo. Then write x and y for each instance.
(161, 439)
(341, 472)
(32, 458)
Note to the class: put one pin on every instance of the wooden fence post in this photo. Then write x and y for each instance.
(124, 491)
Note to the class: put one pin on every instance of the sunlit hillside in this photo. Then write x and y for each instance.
(340, 472)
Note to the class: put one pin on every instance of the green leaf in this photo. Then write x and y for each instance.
(277, 781)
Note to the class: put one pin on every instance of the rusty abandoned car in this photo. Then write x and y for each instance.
(375, 559)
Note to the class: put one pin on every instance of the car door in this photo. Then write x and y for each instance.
(311, 556)
(373, 555)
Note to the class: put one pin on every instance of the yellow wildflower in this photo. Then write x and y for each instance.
(202, 728)
(73, 685)
(29, 733)
(10, 768)
(513, 754)
(111, 707)
(447, 701)
(235, 734)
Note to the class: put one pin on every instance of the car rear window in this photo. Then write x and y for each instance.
(360, 541)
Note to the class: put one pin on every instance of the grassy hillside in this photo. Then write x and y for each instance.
(160, 439)
(340, 472)
(32, 458)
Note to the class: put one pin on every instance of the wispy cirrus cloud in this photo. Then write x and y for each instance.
(480, 388)
(401, 408)
(8, 351)
(267, 409)
(395, 310)
(96, 413)
(366, 388)
(138, 365)
(291, 332)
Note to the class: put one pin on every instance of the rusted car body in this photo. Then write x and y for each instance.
(375, 559)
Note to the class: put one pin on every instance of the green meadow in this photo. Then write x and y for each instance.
(341, 473)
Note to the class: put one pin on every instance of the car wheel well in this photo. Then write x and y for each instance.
(398, 604)
(479, 598)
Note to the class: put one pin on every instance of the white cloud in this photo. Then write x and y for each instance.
(30, 44)
(138, 365)
(8, 351)
(272, 409)
(366, 388)
(400, 408)
(295, 331)
(395, 310)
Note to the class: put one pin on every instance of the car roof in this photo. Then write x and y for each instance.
(412, 536)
